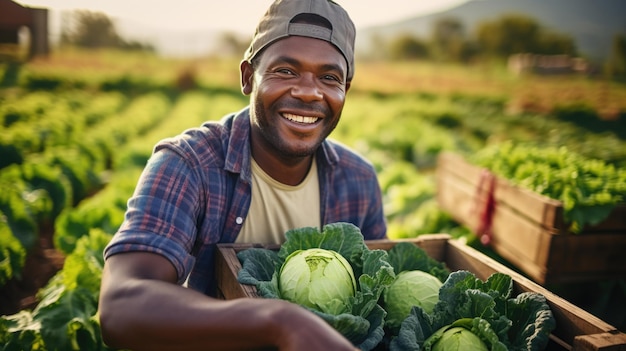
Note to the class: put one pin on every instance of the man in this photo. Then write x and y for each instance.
(248, 178)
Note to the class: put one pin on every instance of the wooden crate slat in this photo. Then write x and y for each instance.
(456, 197)
(600, 342)
(540, 209)
(227, 268)
(597, 254)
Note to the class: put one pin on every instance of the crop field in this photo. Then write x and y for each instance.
(77, 128)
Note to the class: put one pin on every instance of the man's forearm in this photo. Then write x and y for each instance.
(148, 314)
(141, 308)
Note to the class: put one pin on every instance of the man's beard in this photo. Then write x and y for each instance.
(272, 136)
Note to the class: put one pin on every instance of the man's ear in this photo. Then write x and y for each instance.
(246, 74)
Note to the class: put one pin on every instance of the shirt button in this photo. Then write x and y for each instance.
(239, 220)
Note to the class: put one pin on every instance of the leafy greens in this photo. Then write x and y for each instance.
(363, 324)
(484, 308)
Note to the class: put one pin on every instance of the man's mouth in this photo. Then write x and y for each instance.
(300, 119)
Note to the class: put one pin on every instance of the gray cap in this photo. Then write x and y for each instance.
(276, 24)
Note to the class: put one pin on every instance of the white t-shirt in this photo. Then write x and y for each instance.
(277, 207)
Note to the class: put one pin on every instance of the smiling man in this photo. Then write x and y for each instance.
(248, 178)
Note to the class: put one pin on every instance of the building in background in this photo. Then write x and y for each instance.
(21, 25)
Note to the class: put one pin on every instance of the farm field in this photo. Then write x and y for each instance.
(77, 128)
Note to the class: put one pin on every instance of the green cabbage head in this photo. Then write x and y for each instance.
(457, 339)
(319, 279)
(410, 288)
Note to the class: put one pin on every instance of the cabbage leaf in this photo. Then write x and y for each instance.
(363, 326)
(406, 256)
(484, 308)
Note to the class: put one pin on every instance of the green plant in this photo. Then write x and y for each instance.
(588, 188)
(12, 253)
(486, 309)
(456, 339)
(66, 317)
(319, 279)
(410, 288)
(18, 210)
(362, 323)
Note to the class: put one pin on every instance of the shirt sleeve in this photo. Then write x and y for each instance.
(161, 214)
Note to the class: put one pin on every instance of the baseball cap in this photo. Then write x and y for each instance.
(277, 24)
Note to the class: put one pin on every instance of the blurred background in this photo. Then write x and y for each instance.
(88, 87)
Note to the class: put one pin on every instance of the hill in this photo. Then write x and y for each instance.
(592, 24)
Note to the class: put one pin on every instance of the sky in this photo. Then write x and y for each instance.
(234, 15)
(189, 28)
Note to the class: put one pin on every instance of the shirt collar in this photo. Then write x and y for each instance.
(238, 144)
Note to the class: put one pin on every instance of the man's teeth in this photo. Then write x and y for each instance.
(300, 119)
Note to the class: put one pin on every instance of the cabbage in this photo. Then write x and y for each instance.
(484, 308)
(410, 288)
(319, 279)
(362, 321)
(459, 338)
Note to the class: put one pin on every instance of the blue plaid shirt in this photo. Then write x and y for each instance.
(195, 192)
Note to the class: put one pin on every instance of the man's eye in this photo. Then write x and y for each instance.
(331, 77)
(284, 71)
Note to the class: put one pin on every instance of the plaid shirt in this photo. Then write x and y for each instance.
(195, 192)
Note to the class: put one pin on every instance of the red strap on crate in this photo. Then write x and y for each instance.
(486, 209)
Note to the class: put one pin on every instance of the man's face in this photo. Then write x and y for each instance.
(297, 90)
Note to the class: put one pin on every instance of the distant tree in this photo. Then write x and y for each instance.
(408, 47)
(379, 49)
(91, 30)
(96, 30)
(512, 34)
(137, 46)
(230, 43)
(616, 64)
(551, 43)
(448, 39)
(508, 35)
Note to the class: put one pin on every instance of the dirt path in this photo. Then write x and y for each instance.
(42, 263)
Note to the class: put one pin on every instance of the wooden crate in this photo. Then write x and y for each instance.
(575, 330)
(528, 229)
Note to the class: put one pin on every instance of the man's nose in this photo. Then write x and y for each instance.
(307, 88)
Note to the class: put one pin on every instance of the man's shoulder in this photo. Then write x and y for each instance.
(211, 140)
(346, 157)
(210, 133)
(230, 126)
